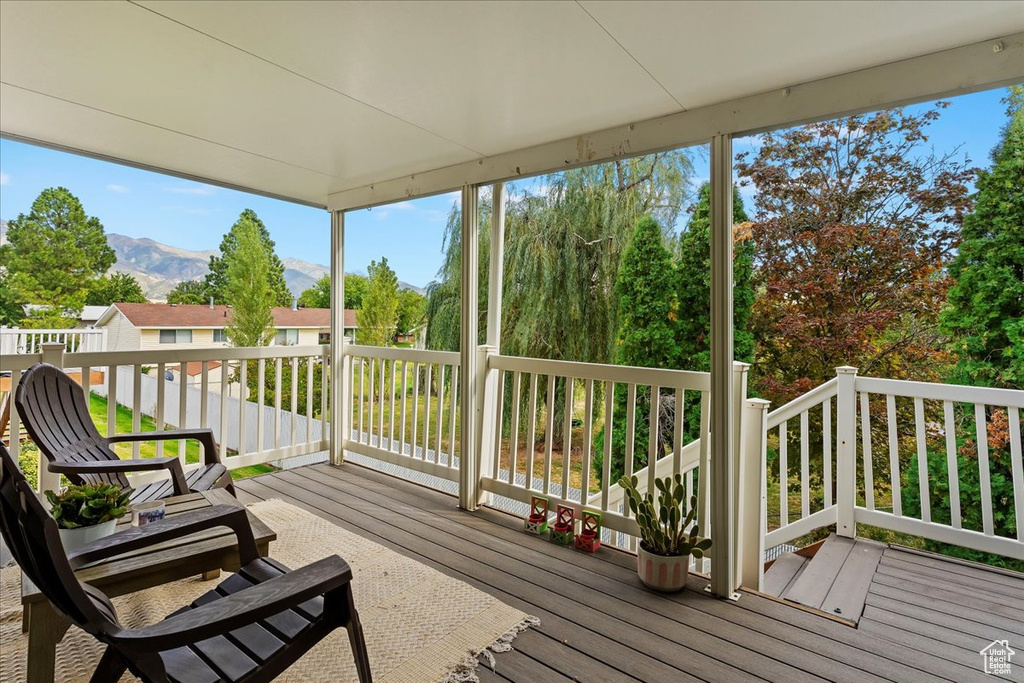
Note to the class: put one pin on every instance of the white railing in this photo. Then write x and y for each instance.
(404, 408)
(15, 340)
(181, 388)
(884, 434)
(553, 403)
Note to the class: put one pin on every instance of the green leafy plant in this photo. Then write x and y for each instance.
(664, 528)
(88, 505)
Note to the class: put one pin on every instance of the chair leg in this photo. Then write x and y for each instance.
(110, 668)
(356, 640)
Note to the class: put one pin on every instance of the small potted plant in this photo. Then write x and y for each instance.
(88, 512)
(668, 536)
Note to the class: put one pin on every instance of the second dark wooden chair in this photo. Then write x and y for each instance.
(249, 629)
(55, 412)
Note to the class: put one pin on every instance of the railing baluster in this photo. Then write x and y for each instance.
(652, 439)
(277, 402)
(453, 403)
(295, 401)
(161, 388)
(549, 432)
(704, 475)
(513, 453)
(359, 403)
(440, 413)
(325, 393)
(609, 432)
(865, 440)
(922, 460)
(415, 407)
(15, 427)
(381, 388)
(243, 405)
(426, 411)
(498, 419)
(222, 438)
(567, 439)
(405, 401)
(677, 437)
(805, 466)
(204, 395)
(261, 379)
(1017, 467)
(182, 408)
(630, 459)
(984, 474)
(309, 399)
(894, 456)
(588, 437)
(826, 449)
(531, 438)
(783, 475)
(951, 465)
(136, 408)
(372, 400)
(391, 415)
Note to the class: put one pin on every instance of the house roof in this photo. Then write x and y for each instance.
(189, 316)
(422, 87)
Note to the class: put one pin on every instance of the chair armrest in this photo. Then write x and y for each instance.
(100, 466)
(170, 528)
(240, 609)
(204, 436)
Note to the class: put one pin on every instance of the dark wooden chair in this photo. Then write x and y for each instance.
(250, 628)
(55, 412)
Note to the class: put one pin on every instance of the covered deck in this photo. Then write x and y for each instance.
(926, 618)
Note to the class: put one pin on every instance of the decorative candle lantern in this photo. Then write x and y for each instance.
(564, 531)
(589, 537)
(537, 521)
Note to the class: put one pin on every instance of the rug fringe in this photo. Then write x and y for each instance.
(465, 671)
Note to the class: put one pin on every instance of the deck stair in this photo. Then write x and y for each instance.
(835, 580)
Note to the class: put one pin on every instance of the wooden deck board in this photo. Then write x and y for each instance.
(597, 623)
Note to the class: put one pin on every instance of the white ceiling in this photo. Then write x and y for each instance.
(302, 99)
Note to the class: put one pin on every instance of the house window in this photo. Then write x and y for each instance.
(286, 337)
(219, 336)
(175, 336)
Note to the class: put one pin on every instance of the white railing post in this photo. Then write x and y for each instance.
(739, 397)
(469, 475)
(52, 353)
(340, 397)
(487, 410)
(752, 497)
(846, 451)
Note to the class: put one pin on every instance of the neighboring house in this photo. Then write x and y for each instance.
(87, 318)
(135, 327)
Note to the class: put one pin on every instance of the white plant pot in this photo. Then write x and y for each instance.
(663, 573)
(76, 538)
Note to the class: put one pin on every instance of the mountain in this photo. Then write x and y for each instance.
(159, 267)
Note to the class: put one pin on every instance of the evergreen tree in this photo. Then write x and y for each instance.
(115, 288)
(412, 310)
(12, 310)
(693, 328)
(217, 280)
(985, 311)
(247, 273)
(355, 289)
(189, 292)
(55, 253)
(647, 325)
(378, 318)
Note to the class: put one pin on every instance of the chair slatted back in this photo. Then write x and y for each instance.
(31, 534)
(55, 412)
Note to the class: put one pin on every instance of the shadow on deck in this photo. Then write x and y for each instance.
(925, 619)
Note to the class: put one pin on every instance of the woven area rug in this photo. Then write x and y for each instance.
(420, 625)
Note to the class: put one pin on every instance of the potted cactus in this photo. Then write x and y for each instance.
(668, 535)
(88, 512)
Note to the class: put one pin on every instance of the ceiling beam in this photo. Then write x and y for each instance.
(980, 66)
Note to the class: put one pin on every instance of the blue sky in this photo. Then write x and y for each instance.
(195, 216)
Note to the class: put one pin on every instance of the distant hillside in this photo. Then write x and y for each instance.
(159, 267)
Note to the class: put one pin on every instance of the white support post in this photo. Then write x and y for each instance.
(739, 396)
(723, 437)
(496, 265)
(846, 451)
(753, 498)
(469, 403)
(340, 397)
(52, 353)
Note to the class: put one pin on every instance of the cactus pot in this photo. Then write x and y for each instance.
(664, 573)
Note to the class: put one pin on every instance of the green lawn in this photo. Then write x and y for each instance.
(123, 425)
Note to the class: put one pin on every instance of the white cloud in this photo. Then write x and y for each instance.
(192, 189)
(5, 179)
(120, 189)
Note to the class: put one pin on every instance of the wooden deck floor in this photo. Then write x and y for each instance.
(924, 620)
